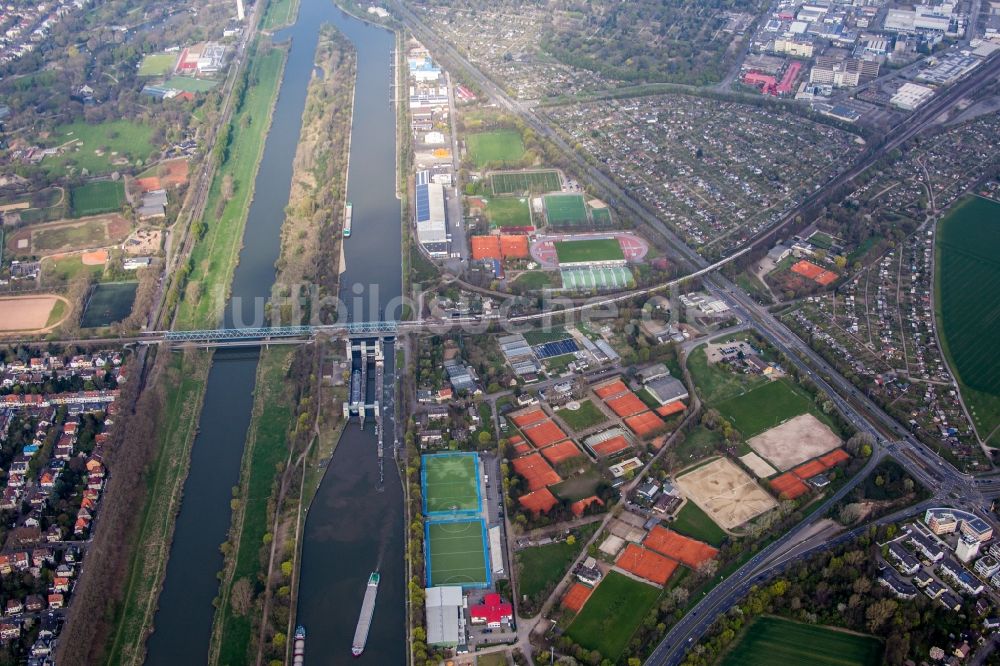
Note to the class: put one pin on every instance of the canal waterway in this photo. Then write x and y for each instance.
(352, 527)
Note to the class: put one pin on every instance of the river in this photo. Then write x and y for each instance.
(352, 528)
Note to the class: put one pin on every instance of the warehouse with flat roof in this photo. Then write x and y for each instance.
(445, 618)
(431, 220)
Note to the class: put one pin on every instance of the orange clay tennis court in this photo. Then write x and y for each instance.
(544, 433)
(610, 389)
(486, 247)
(809, 469)
(610, 447)
(527, 418)
(788, 485)
(671, 408)
(522, 448)
(577, 597)
(627, 405)
(539, 501)
(644, 424)
(536, 471)
(561, 452)
(646, 564)
(580, 506)
(834, 458)
(689, 552)
(814, 272)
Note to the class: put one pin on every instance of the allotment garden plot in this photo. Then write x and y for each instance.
(726, 493)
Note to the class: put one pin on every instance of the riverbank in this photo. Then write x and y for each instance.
(310, 237)
(279, 14)
(208, 274)
(213, 261)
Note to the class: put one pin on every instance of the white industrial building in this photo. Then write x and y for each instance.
(496, 550)
(431, 220)
(445, 617)
(911, 96)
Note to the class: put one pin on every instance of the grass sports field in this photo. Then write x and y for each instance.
(518, 182)
(716, 382)
(765, 407)
(187, 84)
(695, 523)
(99, 196)
(582, 251)
(587, 416)
(967, 283)
(95, 145)
(451, 483)
(612, 614)
(509, 212)
(157, 64)
(495, 147)
(772, 640)
(565, 209)
(456, 553)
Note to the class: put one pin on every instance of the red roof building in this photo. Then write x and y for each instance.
(492, 612)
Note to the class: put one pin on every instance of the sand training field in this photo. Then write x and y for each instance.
(758, 465)
(27, 313)
(796, 440)
(726, 493)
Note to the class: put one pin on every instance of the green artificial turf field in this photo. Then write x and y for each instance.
(100, 196)
(495, 147)
(450, 483)
(765, 407)
(565, 209)
(456, 553)
(518, 182)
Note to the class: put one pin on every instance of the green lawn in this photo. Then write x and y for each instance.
(695, 523)
(99, 196)
(967, 280)
(587, 416)
(541, 336)
(612, 614)
(716, 382)
(267, 446)
(534, 280)
(541, 567)
(189, 84)
(765, 407)
(213, 259)
(131, 140)
(64, 269)
(508, 212)
(699, 443)
(495, 147)
(772, 640)
(157, 64)
(598, 249)
(279, 13)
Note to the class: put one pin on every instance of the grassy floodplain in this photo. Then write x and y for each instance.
(267, 446)
(279, 14)
(772, 640)
(213, 259)
(967, 277)
(612, 614)
(213, 262)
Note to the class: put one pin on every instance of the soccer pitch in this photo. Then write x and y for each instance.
(565, 209)
(451, 483)
(596, 249)
(456, 553)
(517, 182)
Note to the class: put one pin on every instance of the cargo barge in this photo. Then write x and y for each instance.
(299, 646)
(365, 619)
(356, 387)
(348, 215)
